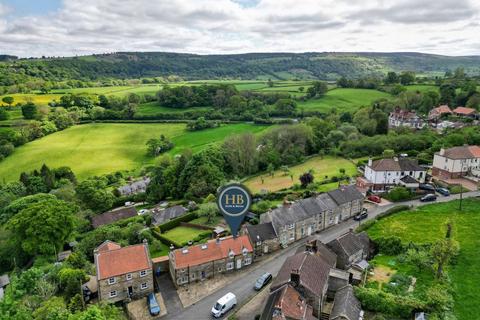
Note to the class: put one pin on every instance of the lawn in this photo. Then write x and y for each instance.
(203, 221)
(94, 149)
(427, 224)
(343, 100)
(183, 235)
(322, 166)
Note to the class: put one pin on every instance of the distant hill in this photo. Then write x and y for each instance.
(327, 66)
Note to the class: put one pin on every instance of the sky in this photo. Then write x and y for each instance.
(32, 28)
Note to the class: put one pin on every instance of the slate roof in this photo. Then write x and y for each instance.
(409, 179)
(345, 194)
(312, 269)
(349, 243)
(135, 186)
(463, 152)
(319, 248)
(112, 261)
(261, 232)
(163, 215)
(113, 216)
(396, 165)
(345, 305)
(210, 251)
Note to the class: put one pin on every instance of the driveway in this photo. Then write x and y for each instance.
(243, 288)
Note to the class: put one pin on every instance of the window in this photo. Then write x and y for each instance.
(229, 265)
(291, 226)
(113, 294)
(182, 280)
(111, 280)
(144, 286)
(128, 276)
(192, 276)
(143, 273)
(247, 261)
(292, 236)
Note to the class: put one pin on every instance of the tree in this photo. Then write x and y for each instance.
(71, 280)
(407, 77)
(391, 78)
(52, 309)
(318, 88)
(419, 258)
(8, 100)
(3, 114)
(306, 179)
(285, 106)
(158, 146)
(388, 153)
(271, 169)
(94, 194)
(29, 110)
(447, 94)
(208, 210)
(442, 252)
(22, 203)
(43, 227)
(270, 83)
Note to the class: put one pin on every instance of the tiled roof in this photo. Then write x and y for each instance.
(312, 269)
(285, 303)
(163, 215)
(346, 306)
(261, 232)
(108, 245)
(210, 251)
(119, 261)
(439, 110)
(396, 165)
(112, 216)
(463, 152)
(409, 179)
(465, 111)
(345, 194)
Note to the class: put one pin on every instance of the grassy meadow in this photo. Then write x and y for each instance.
(343, 100)
(427, 224)
(322, 166)
(94, 149)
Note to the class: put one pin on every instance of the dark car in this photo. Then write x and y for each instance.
(263, 281)
(443, 191)
(426, 187)
(153, 305)
(362, 215)
(428, 197)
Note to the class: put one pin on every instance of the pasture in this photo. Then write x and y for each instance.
(422, 87)
(322, 167)
(343, 100)
(94, 149)
(153, 108)
(427, 224)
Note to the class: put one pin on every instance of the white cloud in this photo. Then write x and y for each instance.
(234, 26)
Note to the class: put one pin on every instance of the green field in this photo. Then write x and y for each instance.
(94, 149)
(343, 100)
(322, 166)
(422, 87)
(427, 224)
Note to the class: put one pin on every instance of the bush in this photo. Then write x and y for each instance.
(399, 194)
(390, 245)
(393, 210)
(387, 303)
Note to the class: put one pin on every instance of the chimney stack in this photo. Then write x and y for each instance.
(370, 162)
(295, 278)
(442, 151)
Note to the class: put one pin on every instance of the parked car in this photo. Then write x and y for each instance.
(426, 187)
(428, 197)
(263, 281)
(362, 215)
(224, 304)
(153, 305)
(374, 198)
(443, 191)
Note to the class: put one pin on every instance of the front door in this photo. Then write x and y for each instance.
(130, 291)
(239, 263)
(203, 275)
(309, 232)
(336, 219)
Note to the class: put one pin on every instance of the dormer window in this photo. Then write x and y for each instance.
(231, 254)
(244, 251)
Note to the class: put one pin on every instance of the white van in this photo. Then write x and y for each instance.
(224, 304)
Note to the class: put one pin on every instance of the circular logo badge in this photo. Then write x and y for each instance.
(234, 200)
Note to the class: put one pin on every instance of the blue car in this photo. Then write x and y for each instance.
(443, 191)
(153, 306)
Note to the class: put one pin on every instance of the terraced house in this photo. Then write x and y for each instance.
(199, 262)
(294, 221)
(123, 273)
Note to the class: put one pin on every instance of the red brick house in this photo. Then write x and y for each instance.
(123, 273)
